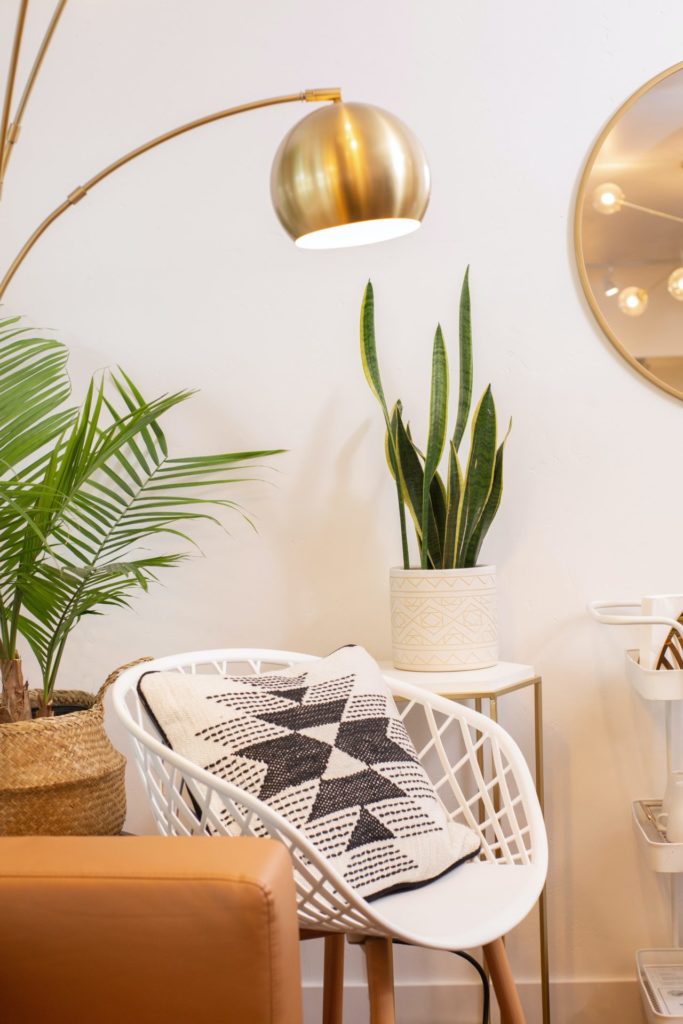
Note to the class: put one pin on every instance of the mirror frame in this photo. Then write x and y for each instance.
(578, 235)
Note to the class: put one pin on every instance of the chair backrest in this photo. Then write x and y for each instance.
(475, 766)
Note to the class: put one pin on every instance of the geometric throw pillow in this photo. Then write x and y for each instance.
(322, 744)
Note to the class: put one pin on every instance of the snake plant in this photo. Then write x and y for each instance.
(451, 519)
(89, 500)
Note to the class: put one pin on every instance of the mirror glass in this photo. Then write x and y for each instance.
(629, 230)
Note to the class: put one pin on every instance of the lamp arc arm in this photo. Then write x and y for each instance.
(13, 129)
(11, 79)
(306, 96)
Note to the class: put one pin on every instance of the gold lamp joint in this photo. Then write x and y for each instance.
(76, 196)
(332, 95)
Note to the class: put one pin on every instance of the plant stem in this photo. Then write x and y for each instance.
(4, 635)
(394, 460)
(52, 666)
(14, 623)
(16, 706)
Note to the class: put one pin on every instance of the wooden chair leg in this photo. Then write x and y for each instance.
(496, 957)
(380, 964)
(333, 979)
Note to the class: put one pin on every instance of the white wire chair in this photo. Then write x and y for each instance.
(482, 780)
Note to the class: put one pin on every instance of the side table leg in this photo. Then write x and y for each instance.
(493, 715)
(542, 905)
(481, 812)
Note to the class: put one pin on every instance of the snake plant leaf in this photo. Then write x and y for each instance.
(480, 468)
(368, 350)
(490, 509)
(454, 507)
(465, 337)
(390, 438)
(436, 437)
(437, 527)
(411, 473)
(437, 495)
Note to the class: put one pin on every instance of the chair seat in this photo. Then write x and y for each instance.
(465, 908)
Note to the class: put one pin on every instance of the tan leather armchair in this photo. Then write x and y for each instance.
(145, 930)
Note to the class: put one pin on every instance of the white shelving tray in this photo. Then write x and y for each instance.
(662, 856)
(654, 684)
(657, 958)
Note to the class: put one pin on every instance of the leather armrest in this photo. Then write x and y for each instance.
(147, 929)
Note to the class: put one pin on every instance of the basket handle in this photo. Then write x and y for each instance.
(113, 676)
(596, 610)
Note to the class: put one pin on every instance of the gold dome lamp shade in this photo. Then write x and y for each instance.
(349, 174)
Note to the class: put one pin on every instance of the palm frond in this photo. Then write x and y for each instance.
(89, 495)
(109, 491)
(33, 384)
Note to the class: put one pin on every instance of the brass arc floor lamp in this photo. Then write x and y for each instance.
(347, 174)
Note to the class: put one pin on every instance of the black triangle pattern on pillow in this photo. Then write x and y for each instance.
(323, 745)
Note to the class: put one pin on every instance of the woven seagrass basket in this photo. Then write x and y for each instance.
(61, 775)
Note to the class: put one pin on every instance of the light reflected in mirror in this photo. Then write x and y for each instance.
(629, 230)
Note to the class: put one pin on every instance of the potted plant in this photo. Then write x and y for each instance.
(89, 497)
(443, 614)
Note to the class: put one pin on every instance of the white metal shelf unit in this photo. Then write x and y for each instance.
(661, 855)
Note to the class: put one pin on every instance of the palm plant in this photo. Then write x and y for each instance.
(451, 520)
(82, 490)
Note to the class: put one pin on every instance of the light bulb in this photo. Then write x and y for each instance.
(608, 198)
(675, 284)
(633, 301)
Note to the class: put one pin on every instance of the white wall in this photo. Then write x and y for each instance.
(177, 269)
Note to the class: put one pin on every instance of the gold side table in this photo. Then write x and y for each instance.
(489, 684)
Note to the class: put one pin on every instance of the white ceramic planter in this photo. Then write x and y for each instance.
(444, 620)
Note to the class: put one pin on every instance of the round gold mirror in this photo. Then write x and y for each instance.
(629, 230)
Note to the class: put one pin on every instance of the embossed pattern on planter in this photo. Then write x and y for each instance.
(444, 620)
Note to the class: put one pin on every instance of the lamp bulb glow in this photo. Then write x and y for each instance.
(675, 284)
(608, 198)
(633, 301)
